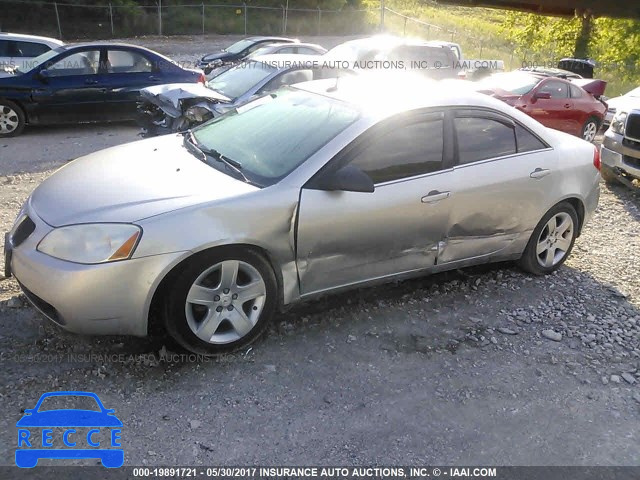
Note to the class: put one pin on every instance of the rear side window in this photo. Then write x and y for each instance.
(403, 151)
(123, 61)
(575, 91)
(4, 48)
(481, 138)
(527, 141)
(30, 49)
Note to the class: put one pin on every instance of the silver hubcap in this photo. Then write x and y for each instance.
(555, 240)
(225, 302)
(590, 131)
(8, 119)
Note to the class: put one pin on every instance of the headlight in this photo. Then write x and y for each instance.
(618, 122)
(92, 242)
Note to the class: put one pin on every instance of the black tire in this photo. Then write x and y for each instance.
(529, 260)
(592, 125)
(175, 312)
(608, 176)
(12, 119)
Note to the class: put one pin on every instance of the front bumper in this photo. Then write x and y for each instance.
(103, 299)
(620, 155)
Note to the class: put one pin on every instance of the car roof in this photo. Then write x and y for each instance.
(411, 92)
(298, 44)
(275, 39)
(284, 61)
(549, 72)
(51, 42)
(388, 41)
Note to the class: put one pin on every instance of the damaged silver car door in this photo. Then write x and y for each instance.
(349, 237)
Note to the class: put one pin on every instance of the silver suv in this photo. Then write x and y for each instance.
(620, 153)
(17, 50)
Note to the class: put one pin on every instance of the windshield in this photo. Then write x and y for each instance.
(45, 57)
(515, 83)
(240, 79)
(269, 140)
(239, 46)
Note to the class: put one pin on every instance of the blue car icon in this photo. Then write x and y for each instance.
(32, 446)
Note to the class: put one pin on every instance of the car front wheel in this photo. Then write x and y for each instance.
(551, 241)
(221, 301)
(12, 119)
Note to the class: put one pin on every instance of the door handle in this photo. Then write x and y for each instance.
(435, 196)
(567, 105)
(540, 172)
(90, 81)
(153, 78)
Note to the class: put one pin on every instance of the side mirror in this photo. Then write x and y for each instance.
(346, 179)
(44, 75)
(542, 96)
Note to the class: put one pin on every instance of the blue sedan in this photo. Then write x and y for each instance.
(83, 83)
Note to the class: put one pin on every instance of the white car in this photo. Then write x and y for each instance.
(18, 51)
(616, 103)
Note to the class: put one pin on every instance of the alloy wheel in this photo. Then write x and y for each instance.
(225, 302)
(590, 131)
(555, 240)
(9, 119)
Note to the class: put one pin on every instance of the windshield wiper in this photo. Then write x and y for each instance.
(210, 152)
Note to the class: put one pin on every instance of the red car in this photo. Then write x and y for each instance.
(572, 106)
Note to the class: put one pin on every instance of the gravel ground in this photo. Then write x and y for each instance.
(480, 366)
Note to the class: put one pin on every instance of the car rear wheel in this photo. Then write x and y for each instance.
(551, 241)
(590, 129)
(221, 301)
(12, 119)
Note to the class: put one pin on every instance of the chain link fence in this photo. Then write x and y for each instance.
(74, 21)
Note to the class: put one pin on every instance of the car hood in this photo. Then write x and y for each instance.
(173, 93)
(69, 418)
(624, 102)
(131, 182)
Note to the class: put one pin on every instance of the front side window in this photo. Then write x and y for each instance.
(403, 151)
(80, 63)
(272, 138)
(480, 138)
(556, 89)
(4, 48)
(123, 61)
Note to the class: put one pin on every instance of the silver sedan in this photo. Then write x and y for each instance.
(307, 191)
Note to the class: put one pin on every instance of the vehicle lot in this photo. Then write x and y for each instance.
(448, 369)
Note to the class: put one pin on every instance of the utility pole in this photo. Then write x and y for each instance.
(159, 17)
(382, 15)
